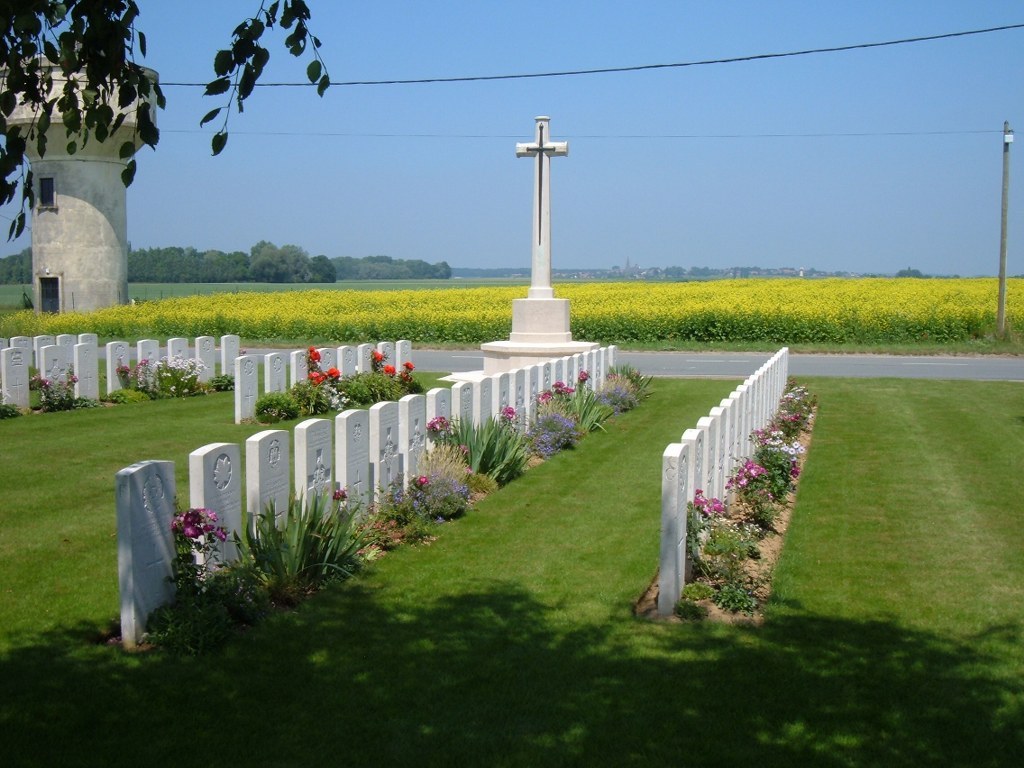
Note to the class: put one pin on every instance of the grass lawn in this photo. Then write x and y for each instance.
(894, 637)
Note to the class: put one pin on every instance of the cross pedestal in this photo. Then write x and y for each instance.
(540, 322)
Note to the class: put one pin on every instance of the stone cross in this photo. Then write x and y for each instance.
(543, 150)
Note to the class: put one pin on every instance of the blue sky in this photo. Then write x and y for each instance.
(696, 166)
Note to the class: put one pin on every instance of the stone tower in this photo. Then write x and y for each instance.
(79, 220)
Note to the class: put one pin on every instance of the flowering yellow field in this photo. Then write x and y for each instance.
(778, 311)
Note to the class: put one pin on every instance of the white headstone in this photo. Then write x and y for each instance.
(613, 356)
(38, 342)
(558, 371)
(387, 348)
(247, 388)
(717, 434)
(483, 400)
(275, 375)
(268, 477)
(86, 371)
(412, 433)
(299, 366)
(439, 403)
(709, 426)
(314, 459)
(501, 393)
(403, 353)
(3, 343)
(462, 402)
(545, 376)
(54, 364)
(178, 348)
(148, 351)
(364, 358)
(352, 443)
(89, 338)
(215, 482)
(14, 365)
(347, 361)
(230, 348)
(66, 342)
(328, 358)
(206, 354)
(532, 390)
(672, 554)
(118, 356)
(519, 396)
(145, 544)
(384, 441)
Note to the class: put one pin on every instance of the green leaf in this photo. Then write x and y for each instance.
(210, 116)
(218, 141)
(217, 87)
(128, 174)
(126, 150)
(148, 131)
(142, 43)
(247, 82)
(313, 71)
(323, 85)
(223, 62)
(72, 147)
(8, 101)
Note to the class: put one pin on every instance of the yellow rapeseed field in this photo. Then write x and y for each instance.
(778, 311)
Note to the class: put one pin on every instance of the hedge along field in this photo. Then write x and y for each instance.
(870, 310)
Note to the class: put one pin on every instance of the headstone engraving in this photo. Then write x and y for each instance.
(230, 348)
(215, 482)
(384, 442)
(314, 459)
(518, 393)
(246, 387)
(328, 358)
(87, 371)
(462, 401)
(145, 545)
(268, 477)
(412, 433)
(54, 364)
(483, 400)
(347, 361)
(275, 375)
(14, 365)
(501, 393)
(352, 444)
(118, 356)
(206, 354)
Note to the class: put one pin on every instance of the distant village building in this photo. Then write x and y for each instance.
(79, 220)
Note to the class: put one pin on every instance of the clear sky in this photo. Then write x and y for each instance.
(867, 160)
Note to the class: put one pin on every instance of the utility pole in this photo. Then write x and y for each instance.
(1001, 309)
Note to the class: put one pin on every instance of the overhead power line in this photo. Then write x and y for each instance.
(637, 68)
(348, 135)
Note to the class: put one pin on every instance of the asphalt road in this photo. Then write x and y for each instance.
(742, 364)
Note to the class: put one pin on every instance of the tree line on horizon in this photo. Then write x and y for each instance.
(265, 263)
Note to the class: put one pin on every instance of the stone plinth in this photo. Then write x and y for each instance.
(540, 332)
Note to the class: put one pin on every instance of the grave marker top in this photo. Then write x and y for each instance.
(543, 150)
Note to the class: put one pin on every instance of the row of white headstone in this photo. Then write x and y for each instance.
(704, 458)
(349, 360)
(54, 356)
(360, 451)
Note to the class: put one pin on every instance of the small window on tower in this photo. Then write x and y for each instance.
(47, 198)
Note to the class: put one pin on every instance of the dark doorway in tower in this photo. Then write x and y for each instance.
(49, 292)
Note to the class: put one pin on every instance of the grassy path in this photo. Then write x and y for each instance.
(895, 639)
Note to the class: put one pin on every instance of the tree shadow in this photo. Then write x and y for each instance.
(495, 677)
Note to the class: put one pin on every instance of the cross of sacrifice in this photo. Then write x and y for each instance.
(543, 150)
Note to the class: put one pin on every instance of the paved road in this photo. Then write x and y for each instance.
(742, 364)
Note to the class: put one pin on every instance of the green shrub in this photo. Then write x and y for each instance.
(691, 611)
(192, 626)
(587, 410)
(317, 543)
(494, 448)
(223, 382)
(733, 597)
(311, 399)
(481, 484)
(698, 590)
(8, 411)
(276, 406)
(365, 389)
(124, 396)
(728, 545)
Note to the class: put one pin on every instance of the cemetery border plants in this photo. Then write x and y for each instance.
(531, 594)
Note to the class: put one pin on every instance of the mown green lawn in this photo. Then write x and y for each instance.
(894, 637)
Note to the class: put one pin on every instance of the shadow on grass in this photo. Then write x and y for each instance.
(495, 678)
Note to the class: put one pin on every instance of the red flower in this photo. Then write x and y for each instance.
(378, 355)
(316, 377)
(334, 373)
(389, 370)
(314, 354)
(408, 365)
